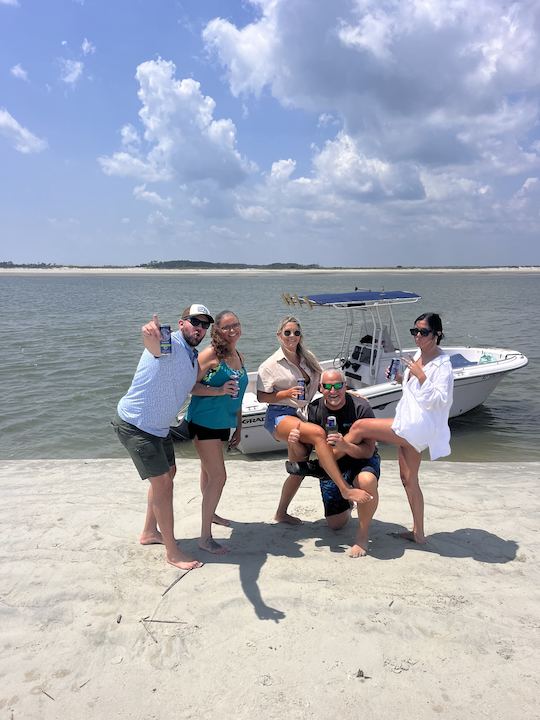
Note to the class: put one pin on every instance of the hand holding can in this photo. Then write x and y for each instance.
(165, 344)
(330, 426)
(234, 376)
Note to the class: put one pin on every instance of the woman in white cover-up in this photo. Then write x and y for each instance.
(421, 419)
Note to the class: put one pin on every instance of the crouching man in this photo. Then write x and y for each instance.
(359, 463)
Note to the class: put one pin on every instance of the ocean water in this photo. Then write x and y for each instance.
(71, 344)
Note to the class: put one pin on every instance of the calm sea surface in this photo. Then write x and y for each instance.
(71, 344)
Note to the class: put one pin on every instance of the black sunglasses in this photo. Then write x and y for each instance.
(424, 332)
(196, 322)
(287, 333)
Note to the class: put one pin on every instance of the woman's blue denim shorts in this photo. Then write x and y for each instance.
(274, 415)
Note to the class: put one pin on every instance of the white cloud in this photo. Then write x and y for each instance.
(22, 139)
(19, 72)
(223, 231)
(249, 53)
(348, 171)
(527, 196)
(322, 217)
(127, 165)
(159, 220)
(130, 138)
(254, 213)
(71, 71)
(198, 202)
(282, 170)
(406, 78)
(87, 47)
(326, 119)
(14, 3)
(141, 193)
(436, 102)
(182, 138)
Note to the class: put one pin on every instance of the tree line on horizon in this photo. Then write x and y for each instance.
(165, 265)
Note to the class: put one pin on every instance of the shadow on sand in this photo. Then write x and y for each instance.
(267, 539)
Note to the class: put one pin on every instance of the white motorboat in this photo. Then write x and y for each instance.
(370, 342)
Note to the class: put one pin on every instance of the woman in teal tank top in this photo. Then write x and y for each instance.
(216, 409)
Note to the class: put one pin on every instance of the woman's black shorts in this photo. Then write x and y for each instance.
(200, 432)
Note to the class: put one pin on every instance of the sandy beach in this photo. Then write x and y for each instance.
(254, 271)
(286, 625)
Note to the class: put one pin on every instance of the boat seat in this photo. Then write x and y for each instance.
(362, 354)
(457, 360)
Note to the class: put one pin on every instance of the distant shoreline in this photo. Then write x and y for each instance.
(67, 271)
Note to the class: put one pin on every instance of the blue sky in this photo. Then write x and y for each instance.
(351, 132)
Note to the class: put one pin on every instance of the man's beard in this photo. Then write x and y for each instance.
(192, 341)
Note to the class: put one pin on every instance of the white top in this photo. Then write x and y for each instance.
(422, 413)
(277, 373)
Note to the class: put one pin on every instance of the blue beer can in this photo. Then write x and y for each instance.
(393, 369)
(165, 345)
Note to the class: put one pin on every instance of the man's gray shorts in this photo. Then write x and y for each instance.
(151, 455)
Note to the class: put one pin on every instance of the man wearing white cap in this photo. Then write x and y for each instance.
(158, 390)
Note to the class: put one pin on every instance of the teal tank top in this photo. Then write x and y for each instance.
(218, 412)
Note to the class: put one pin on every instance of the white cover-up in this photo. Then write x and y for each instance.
(422, 413)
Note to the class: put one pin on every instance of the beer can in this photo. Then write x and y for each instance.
(165, 346)
(393, 369)
(234, 376)
(302, 385)
(331, 425)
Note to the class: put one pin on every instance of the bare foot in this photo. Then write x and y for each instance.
(183, 562)
(410, 536)
(211, 546)
(359, 496)
(154, 538)
(288, 519)
(218, 520)
(357, 551)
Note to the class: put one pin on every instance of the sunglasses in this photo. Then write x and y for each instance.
(287, 333)
(424, 332)
(336, 386)
(231, 327)
(196, 322)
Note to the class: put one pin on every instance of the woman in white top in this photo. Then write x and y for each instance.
(277, 385)
(421, 419)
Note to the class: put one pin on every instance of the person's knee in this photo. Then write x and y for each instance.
(368, 482)
(316, 433)
(355, 431)
(336, 522)
(161, 483)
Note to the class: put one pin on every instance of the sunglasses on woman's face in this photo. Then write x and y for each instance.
(287, 333)
(424, 332)
(196, 322)
(336, 386)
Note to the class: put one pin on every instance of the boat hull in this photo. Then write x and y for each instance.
(472, 386)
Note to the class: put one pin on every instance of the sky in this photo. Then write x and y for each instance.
(339, 132)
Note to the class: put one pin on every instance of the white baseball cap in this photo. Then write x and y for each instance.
(197, 309)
